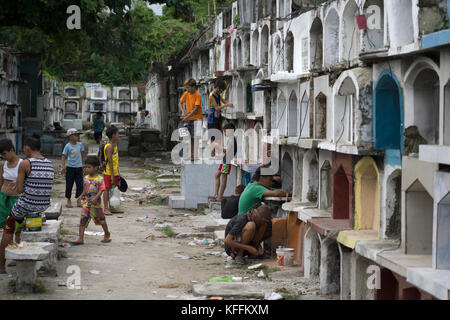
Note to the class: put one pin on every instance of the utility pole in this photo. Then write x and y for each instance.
(215, 12)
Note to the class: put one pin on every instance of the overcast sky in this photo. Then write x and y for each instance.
(157, 8)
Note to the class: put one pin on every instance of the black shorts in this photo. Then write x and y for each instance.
(214, 125)
(98, 136)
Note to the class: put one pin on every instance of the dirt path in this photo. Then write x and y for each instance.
(135, 265)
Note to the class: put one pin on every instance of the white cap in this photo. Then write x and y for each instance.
(72, 131)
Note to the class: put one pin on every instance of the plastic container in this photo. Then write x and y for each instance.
(33, 222)
(285, 257)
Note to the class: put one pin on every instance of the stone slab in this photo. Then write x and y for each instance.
(49, 233)
(399, 262)
(290, 274)
(435, 282)
(229, 290)
(370, 249)
(308, 213)
(349, 238)
(54, 211)
(328, 226)
(176, 202)
(292, 206)
(36, 251)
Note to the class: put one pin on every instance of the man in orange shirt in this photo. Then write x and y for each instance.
(194, 115)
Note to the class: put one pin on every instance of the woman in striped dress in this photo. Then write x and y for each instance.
(35, 181)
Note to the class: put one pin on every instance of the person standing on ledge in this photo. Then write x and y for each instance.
(194, 115)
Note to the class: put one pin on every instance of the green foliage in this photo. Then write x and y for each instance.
(236, 20)
(168, 231)
(443, 24)
(115, 46)
(12, 286)
(39, 287)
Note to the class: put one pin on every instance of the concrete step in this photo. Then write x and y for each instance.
(177, 202)
(231, 290)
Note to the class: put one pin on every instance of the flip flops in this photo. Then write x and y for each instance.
(77, 243)
(69, 206)
(240, 261)
(106, 241)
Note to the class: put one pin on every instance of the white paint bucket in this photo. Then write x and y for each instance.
(285, 257)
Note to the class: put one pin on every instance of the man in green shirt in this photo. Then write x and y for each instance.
(256, 191)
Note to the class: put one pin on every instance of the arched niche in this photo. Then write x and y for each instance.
(443, 234)
(341, 205)
(282, 115)
(287, 172)
(305, 116)
(325, 194)
(292, 115)
(289, 66)
(388, 100)
(401, 26)
(70, 91)
(419, 220)
(124, 94)
(316, 44)
(276, 57)
(239, 53)
(235, 53)
(373, 38)
(350, 32)
(393, 205)
(240, 94)
(254, 47)
(331, 37)
(265, 46)
(320, 116)
(344, 103)
(422, 93)
(310, 176)
(246, 52)
(447, 114)
(367, 195)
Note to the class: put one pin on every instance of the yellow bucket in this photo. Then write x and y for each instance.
(34, 222)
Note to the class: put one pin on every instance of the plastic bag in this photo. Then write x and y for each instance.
(114, 201)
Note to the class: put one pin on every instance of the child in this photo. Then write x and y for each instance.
(111, 173)
(99, 125)
(9, 170)
(216, 105)
(194, 115)
(230, 206)
(74, 153)
(244, 234)
(225, 168)
(34, 182)
(92, 207)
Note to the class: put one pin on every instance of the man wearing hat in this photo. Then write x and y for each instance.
(72, 166)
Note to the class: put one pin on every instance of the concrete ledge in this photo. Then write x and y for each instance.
(36, 251)
(307, 213)
(435, 282)
(228, 290)
(370, 249)
(434, 154)
(399, 262)
(329, 227)
(295, 206)
(54, 211)
(176, 202)
(349, 238)
(49, 233)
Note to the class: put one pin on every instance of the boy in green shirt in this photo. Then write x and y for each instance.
(257, 190)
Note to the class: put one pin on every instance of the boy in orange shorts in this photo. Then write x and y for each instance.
(92, 206)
